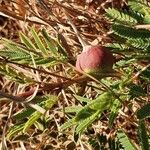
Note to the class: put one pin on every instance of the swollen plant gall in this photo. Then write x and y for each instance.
(95, 59)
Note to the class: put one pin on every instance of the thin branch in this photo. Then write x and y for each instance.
(22, 100)
(35, 69)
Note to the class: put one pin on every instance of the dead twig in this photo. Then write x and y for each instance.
(17, 99)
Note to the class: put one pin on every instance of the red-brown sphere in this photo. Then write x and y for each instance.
(95, 59)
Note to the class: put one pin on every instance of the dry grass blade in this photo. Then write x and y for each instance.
(83, 43)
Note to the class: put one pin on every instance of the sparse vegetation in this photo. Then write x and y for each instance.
(48, 103)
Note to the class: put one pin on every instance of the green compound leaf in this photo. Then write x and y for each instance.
(139, 43)
(114, 112)
(117, 47)
(102, 102)
(120, 17)
(89, 113)
(143, 136)
(128, 32)
(68, 124)
(139, 7)
(144, 112)
(73, 109)
(39, 42)
(47, 61)
(82, 99)
(51, 100)
(24, 114)
(136, 90)
(39, 126)
(15, 130)
(32, 119)
(125, 141)
(51, 43)
(83, 124)
(27, 41)
(85, 112)
(13, 51)
(14, 75)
